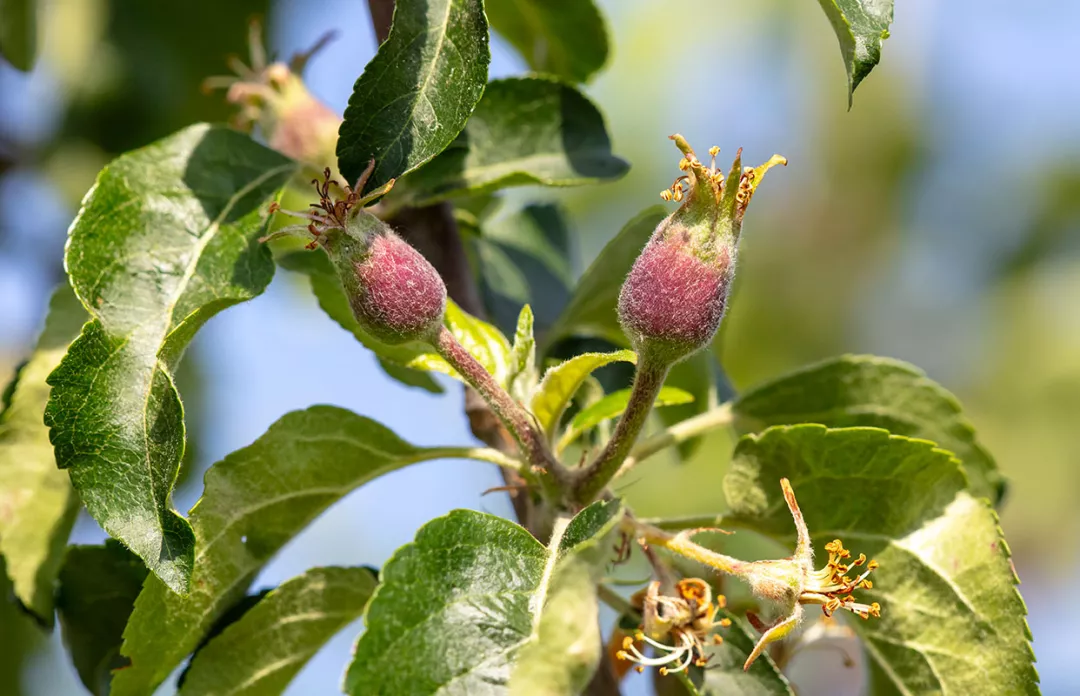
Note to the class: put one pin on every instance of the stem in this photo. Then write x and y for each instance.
(483, 454)
(513, 417)
(676, 435)
(687, 684)
(647, 383)
(615, 600)
(682, 545)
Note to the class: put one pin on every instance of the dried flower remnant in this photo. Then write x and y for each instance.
(788, 583)
(688, 617)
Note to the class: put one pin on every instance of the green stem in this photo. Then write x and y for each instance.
(517, 422)
(684, 546)
(676, 435)
(616, 601)
(483, 454)
(592, 480)
(687, 684)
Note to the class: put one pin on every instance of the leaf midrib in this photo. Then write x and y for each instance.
(421, 93)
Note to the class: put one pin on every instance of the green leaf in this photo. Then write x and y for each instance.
(255, 501)
(18, 33)
(567, 38)
(522, 258)
(563, 649)
(37, 503)
(98, 587)
(951, 620)
(523, 376)
(592, 308)
(725, 676)
(612, 406)
(261, 652)
(872, 391)
(526, 130)
(417, 92)
(861, 26)
(469, 594)
(484, 341)
(167, 238)
(561, 382)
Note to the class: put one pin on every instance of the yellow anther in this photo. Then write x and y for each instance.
(714, 150)
(724, 623)
(627, 642)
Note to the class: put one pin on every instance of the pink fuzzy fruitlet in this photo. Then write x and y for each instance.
(401, 296)
(674, 298)
(395, 294)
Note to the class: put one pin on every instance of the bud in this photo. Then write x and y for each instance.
(675, 296)
(274, 97)
(395, 294)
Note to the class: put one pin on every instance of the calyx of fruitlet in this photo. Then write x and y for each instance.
(675, 296)
(395, 293)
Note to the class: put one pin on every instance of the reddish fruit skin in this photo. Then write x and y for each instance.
(396, 294)
(672, 302)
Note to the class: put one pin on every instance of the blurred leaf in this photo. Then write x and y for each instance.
(872, 391)
(18, 33)
(592, 308)
(523, 258)
(561, 382)
(140, 80)
(37, 503)
(567, 38)
(483, 340)
(23, 638)
(467, 565)
(525, 130)
(166, 239)
(951, 620)
(523, 376)
(861, 26)
(98, 587)
(417, 92)
(1050, 231)
(255, 501)
(262, 651)
(612, 406)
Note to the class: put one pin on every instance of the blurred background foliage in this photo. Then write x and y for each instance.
(938, 222)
